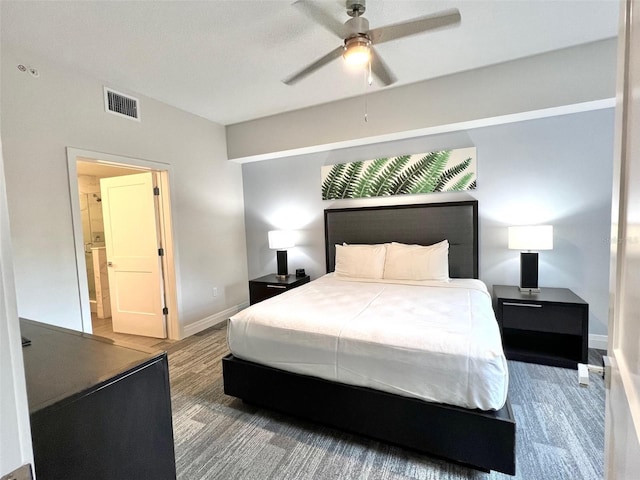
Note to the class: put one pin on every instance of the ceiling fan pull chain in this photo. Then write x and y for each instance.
(366, 113)
(367, 80)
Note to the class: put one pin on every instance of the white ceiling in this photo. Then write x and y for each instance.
(224, 59)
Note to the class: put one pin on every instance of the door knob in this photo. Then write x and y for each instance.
(109, 264)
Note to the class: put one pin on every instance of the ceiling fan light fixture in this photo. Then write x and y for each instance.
(357, 51)
(359, 40)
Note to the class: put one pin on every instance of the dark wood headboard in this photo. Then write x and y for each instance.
(422, 224)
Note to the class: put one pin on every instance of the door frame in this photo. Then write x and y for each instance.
(166, 232)
(622, 414)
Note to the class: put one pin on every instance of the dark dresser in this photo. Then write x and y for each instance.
(98, 410)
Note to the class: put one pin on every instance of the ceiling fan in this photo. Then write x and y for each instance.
(359, 40)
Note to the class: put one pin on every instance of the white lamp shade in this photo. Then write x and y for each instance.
(531, 237)
(281, 239)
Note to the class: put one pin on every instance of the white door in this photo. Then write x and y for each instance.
(623, 398)
(134, 264)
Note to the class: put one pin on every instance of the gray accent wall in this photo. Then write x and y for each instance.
(556, 170)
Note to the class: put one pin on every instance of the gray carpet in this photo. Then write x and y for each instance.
(560, 430)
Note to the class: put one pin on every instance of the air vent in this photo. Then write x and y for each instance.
(121, 104)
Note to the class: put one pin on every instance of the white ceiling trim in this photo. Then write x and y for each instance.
(423, 132)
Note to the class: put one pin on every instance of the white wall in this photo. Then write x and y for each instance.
(41, 117)
(569, 76)
(15, 434)
(556, 170)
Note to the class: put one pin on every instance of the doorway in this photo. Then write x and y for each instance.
(85, 171)
(89, 175)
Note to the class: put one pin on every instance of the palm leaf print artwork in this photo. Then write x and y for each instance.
(440, 171)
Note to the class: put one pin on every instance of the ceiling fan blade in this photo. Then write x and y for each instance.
(413, 27)
(321, 17)
(322, 61)
(380, 69)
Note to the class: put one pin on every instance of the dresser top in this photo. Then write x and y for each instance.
(60, 363)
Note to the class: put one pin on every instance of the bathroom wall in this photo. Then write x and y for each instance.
(93, 230)
(92, 224)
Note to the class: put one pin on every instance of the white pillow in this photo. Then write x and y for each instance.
(360, 261)
(417, 262)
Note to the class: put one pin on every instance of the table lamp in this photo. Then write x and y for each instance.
(529, 239)
(280, 240)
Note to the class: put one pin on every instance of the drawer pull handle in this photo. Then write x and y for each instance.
(533, 305)
(276, 286)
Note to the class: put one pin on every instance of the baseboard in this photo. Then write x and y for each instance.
(211, 320)
(598, 341)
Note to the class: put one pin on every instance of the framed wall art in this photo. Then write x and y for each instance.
(440, 171)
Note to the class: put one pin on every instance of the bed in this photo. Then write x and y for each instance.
(304, 371)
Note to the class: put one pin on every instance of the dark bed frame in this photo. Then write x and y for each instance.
(480, 439)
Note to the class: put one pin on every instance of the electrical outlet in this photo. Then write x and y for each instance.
(215, 291)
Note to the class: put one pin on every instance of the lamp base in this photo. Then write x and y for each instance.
(529, 271)
(283, 267)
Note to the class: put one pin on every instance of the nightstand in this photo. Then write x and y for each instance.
(550, 327)
(272, 285)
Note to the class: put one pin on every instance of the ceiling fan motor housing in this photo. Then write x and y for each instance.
(356, 27)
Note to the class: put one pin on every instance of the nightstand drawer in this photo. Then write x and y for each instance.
(262, 291)
(271, 285)
(542, 317)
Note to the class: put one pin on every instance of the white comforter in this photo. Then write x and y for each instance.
(437, 341)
